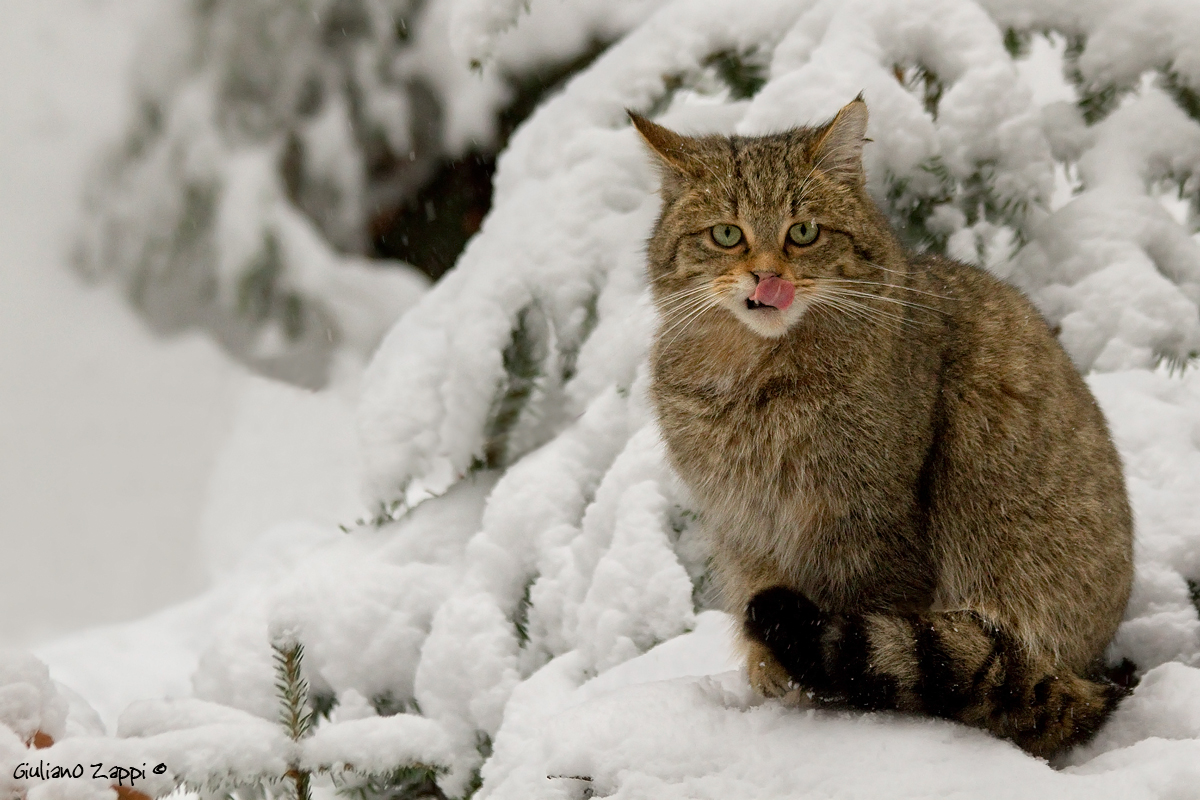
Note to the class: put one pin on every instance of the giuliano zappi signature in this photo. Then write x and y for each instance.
(119, 775)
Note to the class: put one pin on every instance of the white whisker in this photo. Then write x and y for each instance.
(869, 296)
(685, 307)
(680, 326)
(889, 285)
(866, 314)
(842, 300)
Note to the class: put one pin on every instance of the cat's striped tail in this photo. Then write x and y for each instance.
(952, 664)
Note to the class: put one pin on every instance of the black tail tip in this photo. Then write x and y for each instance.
(776, 609)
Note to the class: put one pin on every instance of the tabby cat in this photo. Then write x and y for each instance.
(913, 498)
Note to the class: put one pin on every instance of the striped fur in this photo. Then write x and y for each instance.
(904, 479)
(955, 665)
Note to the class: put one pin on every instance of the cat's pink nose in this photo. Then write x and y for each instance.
(761, 274)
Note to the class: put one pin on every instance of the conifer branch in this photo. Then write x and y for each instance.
(294, 713)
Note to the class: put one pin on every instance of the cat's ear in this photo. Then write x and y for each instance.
(838, 151)
(677, 152)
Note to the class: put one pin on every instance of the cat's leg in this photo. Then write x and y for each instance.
(740, 577)
(952, 664)
(767, 676)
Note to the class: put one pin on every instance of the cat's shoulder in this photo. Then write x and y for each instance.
(995, 335)
(971, 281)
(972, 295)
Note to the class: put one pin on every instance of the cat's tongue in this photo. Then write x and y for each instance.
(774, 292)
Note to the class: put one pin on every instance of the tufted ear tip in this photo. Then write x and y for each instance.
(838, 151)
(675, 151)
(853, 118)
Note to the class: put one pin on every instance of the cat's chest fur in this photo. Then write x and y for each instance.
(786, 455)
(744, 437)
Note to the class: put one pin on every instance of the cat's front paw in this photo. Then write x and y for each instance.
(767, 676)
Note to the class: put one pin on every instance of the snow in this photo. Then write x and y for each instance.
(236, 205)
(107, 434)
(29, 702)
(521, 597)
(377, 744)
(647, 729)
(1125, 281)
(290, 457)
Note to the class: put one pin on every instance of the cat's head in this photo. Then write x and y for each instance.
(764, 227)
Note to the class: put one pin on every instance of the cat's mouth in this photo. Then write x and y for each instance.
(771, 292)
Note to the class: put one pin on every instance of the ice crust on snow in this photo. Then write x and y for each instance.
(534, 582)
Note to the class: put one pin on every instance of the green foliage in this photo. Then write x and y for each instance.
(923, 82)
(978, 200)
(523, 367)
(1184, 95)
(911, 201)
(322, 703)
(1017, 42)
(910, 209)
(741, 74)
(299, 710)
(705, 594)
(483, 744)
(260, 296)
(520, 618)
(1194, 593)
(168, 251)
(570, 350)
(744, 74)
(1175, 363)
(1095, 102)
(385, 514)
(292, 689)
(409, 782)
(256, 289)
(294, 712)
(387, 704)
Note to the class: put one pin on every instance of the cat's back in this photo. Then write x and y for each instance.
(1023, 470)
(1001, 362)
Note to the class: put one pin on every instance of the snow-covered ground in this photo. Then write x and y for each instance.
(540, 620)
(107, 435)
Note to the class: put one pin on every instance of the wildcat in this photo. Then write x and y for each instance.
(913, 499)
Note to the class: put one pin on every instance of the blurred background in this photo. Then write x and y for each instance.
(211, 211)
(107, 432)
(204, 205)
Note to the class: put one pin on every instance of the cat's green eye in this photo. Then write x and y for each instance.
(726, 235)
(803, 233)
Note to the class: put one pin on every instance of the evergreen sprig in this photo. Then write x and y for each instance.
(294, 712)
(524, 360)
(408, 782)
